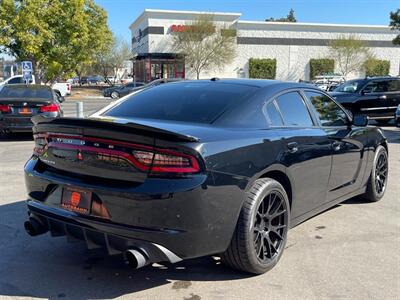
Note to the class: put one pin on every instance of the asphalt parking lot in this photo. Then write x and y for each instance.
(351, 251)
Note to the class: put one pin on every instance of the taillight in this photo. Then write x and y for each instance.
(5, 109)
(165, 161)
(40, 143)
(144, 158)
(49, 108)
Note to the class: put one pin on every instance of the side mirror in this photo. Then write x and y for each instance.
(60, 98)
(360, 120)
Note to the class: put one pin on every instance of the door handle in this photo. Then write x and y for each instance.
(336, 145)
(383, 97)
(293, 147)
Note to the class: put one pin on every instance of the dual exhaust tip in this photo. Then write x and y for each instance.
(136, 258)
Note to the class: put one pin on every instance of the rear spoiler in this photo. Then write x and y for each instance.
(43, 123)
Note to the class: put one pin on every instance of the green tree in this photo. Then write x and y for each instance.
(349, 53)
(395, 24)
(376, 67)
(291, 18)
(204, 45)
(109, 62)
(57, 36)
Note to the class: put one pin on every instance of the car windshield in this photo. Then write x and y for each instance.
(183, 102)
(26, 92)
(351, 86)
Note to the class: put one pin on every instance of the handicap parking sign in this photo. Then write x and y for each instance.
(26, 66)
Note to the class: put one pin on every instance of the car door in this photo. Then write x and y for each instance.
(393, 93)
(375, 99)
(306, 151)
(347, 142)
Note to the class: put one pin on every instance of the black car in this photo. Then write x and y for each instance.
(194, 168)
(375, 97)
(20, 102)
(125, 90)
(122, 90)
(91, 80)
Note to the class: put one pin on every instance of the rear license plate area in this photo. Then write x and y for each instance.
(25, 111)
(76, 200)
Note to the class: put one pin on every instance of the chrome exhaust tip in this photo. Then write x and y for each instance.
(136, 258)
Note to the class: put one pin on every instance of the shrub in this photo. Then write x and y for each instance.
(262, 68)
(376, 67)
(321, 66)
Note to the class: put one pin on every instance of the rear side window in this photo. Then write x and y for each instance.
(294, 110)
(15, 80)
(183, 102)
(274, 115)
(394, 86)
(26, 92)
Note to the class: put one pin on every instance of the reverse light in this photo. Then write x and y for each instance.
(5, 109)
(49, 108)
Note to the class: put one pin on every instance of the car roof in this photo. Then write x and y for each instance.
(260, 83)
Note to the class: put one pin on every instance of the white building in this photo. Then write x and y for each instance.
(291, 44)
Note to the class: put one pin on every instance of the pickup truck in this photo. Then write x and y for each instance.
(63, 88)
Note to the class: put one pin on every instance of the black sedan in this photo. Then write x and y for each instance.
(194, 168)
(121, 90)
(375, 97)
(20, 102)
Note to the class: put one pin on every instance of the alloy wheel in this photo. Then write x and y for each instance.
(381, 172)
(270, 226)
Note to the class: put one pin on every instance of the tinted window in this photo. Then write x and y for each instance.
(15, 80)
(273, 114)
(328, 112)
(394, 86)
(376, 87)
(26, 92)
(351, 86)
(185, 102)
(130, 85)
(293, 109)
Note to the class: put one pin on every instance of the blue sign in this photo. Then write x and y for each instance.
(27, 66)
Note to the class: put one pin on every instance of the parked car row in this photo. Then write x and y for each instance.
(62, 88)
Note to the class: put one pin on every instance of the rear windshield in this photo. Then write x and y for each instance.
(183, 102)
(25, 93)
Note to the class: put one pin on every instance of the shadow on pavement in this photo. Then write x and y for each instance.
(16, 137)
(51, 268)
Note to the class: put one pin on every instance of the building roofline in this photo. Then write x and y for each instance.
(149, 11)
(294, 24)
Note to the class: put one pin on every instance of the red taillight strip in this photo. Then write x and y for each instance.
(194, 168)
(95, 150)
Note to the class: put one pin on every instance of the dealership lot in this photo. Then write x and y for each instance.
(349, 251)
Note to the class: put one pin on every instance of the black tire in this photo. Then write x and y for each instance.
(377, 182)
(114, 95)
(256, 231)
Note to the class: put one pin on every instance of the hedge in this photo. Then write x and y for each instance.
(376, 67)
(262, 68)
(321, 66)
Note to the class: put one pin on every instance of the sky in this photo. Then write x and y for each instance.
(122, 13)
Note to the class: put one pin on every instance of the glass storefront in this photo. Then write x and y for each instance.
(150, 67)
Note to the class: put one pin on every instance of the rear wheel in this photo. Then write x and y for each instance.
(378, 179)
(114, 95)
(260, 236)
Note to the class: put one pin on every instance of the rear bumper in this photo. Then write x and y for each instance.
(190, 217)
(16, 124)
